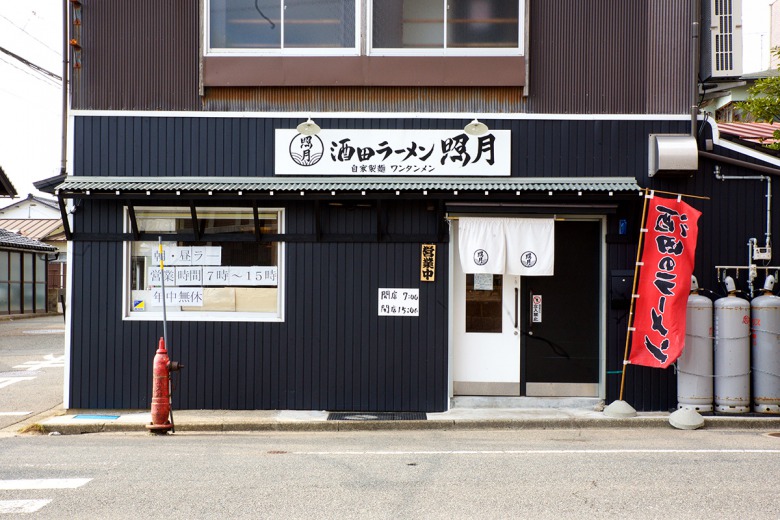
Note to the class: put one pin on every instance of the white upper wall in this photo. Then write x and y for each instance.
(30, 208)
(756, 34)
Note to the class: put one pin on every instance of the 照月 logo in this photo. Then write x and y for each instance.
(306, 150)
(528, 259)
(480, 257)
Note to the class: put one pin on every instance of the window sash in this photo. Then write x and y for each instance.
(289, 23)
(258, 299)
(365, 9)
(444, 45)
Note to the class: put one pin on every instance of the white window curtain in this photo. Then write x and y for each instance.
(517, 246)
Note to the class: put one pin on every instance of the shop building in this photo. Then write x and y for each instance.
(322, 268)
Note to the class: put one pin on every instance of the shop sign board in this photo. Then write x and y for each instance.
(393, 153)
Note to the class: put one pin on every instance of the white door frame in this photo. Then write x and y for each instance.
(602, 303)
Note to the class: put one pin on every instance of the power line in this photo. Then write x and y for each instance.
(30, 64)
(43, 79)
(30, 35)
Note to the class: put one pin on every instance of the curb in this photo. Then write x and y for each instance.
(719, 423)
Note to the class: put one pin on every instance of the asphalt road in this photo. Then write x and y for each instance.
(536, 474)
(31, 368)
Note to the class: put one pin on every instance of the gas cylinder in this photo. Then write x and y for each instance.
(765, 326)
(694, 366)
(731, 357)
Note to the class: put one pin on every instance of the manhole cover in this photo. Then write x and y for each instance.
(44, 331)
(377, 416)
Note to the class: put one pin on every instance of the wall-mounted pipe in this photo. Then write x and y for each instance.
(768, 180)
(738, 162)
(753, 249)
(65, 51)
(695, 56)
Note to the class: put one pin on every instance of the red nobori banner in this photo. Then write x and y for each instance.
(664, 282)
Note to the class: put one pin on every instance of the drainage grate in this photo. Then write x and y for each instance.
(377, 416)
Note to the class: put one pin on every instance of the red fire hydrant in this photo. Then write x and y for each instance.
(161, 395)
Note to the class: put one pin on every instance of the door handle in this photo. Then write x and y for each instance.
(517, 300)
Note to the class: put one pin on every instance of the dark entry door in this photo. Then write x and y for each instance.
(560, 343)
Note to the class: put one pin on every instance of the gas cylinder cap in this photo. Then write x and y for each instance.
(769, 283)
(731, 287)
(694, 285)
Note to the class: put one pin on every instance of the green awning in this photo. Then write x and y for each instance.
(203, 185)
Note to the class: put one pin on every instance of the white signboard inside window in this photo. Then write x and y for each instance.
(253, 275)
(399, 302)
(194, 276)
(188, 255)
(189, 296)
(393, 153)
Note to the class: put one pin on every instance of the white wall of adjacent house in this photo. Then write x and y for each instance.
(30, 209)
(759, 34)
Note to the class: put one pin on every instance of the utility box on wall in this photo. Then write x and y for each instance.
(721, 39)
(675, 154)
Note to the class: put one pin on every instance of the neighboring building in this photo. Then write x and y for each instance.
(6, 188)
(774, 33)
(286, 246)
(50, 232)
(31, 208)
(23, 266)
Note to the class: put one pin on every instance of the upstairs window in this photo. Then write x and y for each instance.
(445, 27)
(303, 27)
(394, 27)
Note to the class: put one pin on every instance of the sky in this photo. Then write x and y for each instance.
(30, 103)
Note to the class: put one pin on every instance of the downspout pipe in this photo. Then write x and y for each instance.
(695, 57)
(65, 51)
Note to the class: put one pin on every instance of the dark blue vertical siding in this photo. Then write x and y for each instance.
(243, 147)
(333, 351)
(326, 354)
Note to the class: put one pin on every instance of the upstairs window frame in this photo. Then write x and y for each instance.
(284, 48)
(445, 49)
(364, 37)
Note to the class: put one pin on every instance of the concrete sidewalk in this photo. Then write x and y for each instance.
(85, 421)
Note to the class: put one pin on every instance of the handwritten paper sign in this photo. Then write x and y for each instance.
(399, 302)
(190, 296)
(189, 255)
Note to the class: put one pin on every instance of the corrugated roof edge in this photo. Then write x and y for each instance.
(223, 184)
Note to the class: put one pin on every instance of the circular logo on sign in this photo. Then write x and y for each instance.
(528, 259)
(306, 150)
(480, 257)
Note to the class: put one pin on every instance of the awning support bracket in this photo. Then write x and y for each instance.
(256, 220)
(133, 221)
(195, 225)
(64, 215)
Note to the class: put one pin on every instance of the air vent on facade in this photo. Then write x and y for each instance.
(672, 154)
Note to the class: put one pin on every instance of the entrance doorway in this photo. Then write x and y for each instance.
(531, 335)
